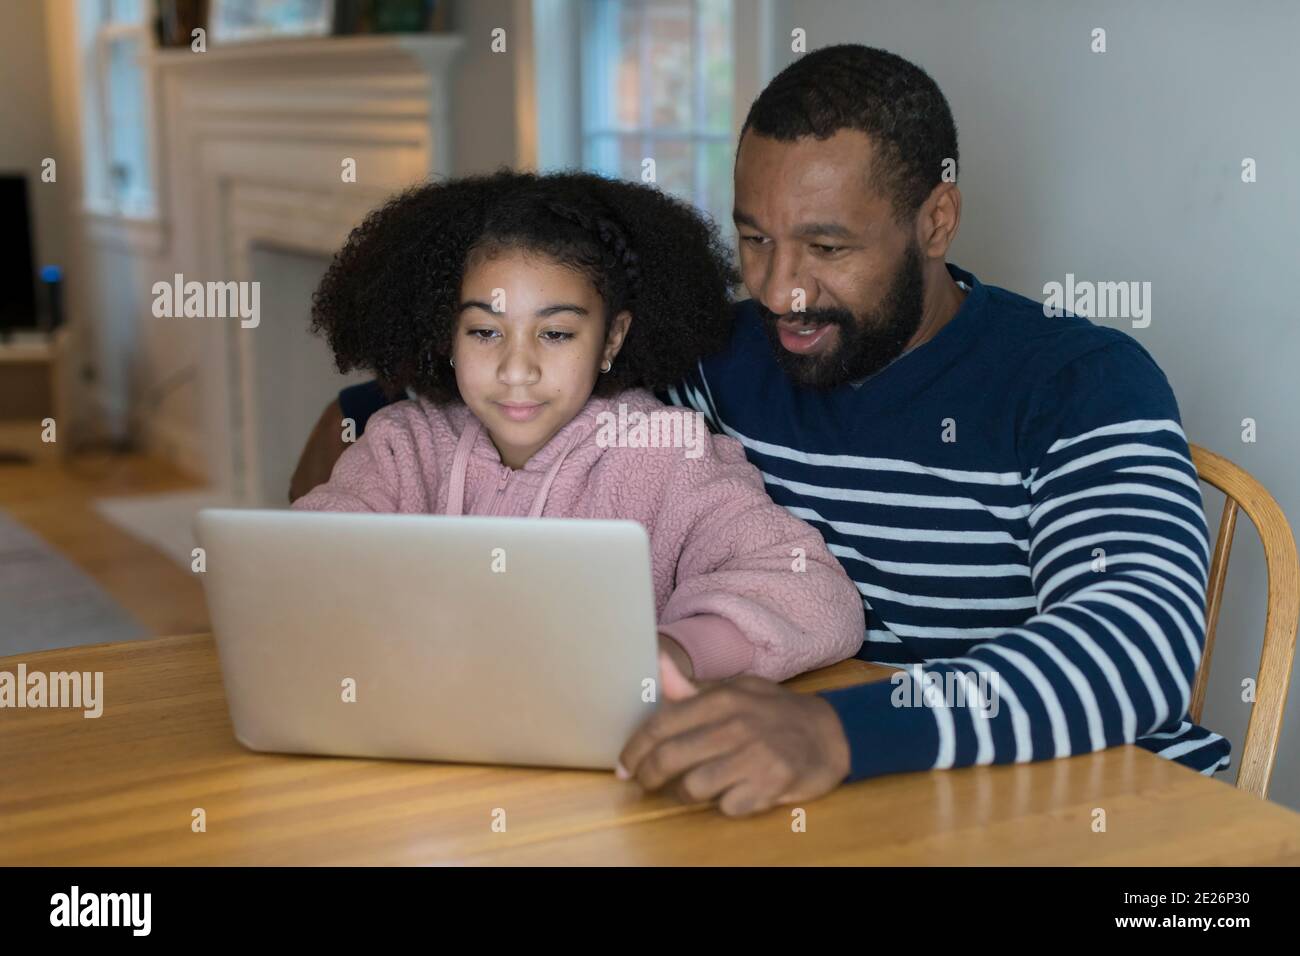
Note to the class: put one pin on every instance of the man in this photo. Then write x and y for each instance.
(1012, 492)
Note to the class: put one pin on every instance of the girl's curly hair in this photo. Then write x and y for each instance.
(388, 302)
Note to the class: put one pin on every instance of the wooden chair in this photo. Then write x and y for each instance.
(1244, 493)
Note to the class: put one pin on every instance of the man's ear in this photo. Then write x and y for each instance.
(936, 226)
(617, 333)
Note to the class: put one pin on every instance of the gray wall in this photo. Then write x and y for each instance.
(1126, 165)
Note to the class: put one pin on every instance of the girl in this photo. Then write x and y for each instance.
(528, 316)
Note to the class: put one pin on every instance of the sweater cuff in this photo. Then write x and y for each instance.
(716, 647)
(883, 736)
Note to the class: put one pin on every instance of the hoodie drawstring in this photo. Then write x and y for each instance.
(460, 465)
(539, 500)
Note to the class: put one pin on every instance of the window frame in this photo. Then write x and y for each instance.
(555, 26)
(594, 100)
(100, 196)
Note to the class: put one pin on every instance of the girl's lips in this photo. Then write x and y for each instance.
(793, 341)
(520, 413)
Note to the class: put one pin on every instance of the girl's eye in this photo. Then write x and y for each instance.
(555, 335)
(482, 335)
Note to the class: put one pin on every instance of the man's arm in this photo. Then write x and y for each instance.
(327, 439)
(1118, 553)
(324, 446)
(1119, 557)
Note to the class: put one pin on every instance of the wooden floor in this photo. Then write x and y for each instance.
(54, 499)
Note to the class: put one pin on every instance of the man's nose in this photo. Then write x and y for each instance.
(784, 289)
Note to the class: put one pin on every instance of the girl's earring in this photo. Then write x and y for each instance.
(606, 366)
(452, 362)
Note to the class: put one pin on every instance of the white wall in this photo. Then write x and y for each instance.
(1126, 165)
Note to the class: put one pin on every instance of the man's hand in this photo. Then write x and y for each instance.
(323, 448)
(748, 744)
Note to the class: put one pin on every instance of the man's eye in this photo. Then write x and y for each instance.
(828, 250)
(754, 240)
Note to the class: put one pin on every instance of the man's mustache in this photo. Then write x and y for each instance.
(815, 316)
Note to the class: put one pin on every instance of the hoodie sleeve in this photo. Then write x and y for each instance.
(756, 591)
(382, 471)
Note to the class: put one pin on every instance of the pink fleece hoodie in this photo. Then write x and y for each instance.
(723, 554)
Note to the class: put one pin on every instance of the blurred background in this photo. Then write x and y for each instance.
(135, 149)
(251, 159)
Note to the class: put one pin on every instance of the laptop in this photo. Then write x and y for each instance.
(471, 639)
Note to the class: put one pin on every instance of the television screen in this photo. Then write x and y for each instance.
(17, 268)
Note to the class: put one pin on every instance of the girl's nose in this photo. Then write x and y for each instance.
(518, 367)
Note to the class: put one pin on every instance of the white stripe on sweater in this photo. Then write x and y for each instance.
(862, 463)
(1189, 639)
(1135, 426)
(1115, 488)
(898, 499)
(1143, 558)
(1187, 746)
(909, 534)
(931, 633)
(1164, 647)
(1160, 471)
(1046, 694)
(1145, 672)
(1082, 688)
(1105, 454)
(947, 751)
(1078, 517)
(913, 569)
(1105, 663)
(985, 751)
(940, 603)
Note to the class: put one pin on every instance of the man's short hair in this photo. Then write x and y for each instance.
(894, 102)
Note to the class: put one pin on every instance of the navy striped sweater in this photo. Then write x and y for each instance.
(1016, 503)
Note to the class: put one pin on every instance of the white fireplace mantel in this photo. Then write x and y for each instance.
(433, 50)
(398, 84)
(255, 140)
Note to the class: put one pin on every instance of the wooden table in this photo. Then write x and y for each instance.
(121, 789)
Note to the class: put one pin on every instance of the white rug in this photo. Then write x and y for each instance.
(164, 521)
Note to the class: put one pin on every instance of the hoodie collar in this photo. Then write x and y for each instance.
(475, 442)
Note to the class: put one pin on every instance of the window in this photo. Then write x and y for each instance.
(658, 84)
(117, 140)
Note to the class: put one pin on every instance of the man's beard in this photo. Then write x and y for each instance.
(865, 345)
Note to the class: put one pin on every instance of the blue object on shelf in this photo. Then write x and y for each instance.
(52, 276)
